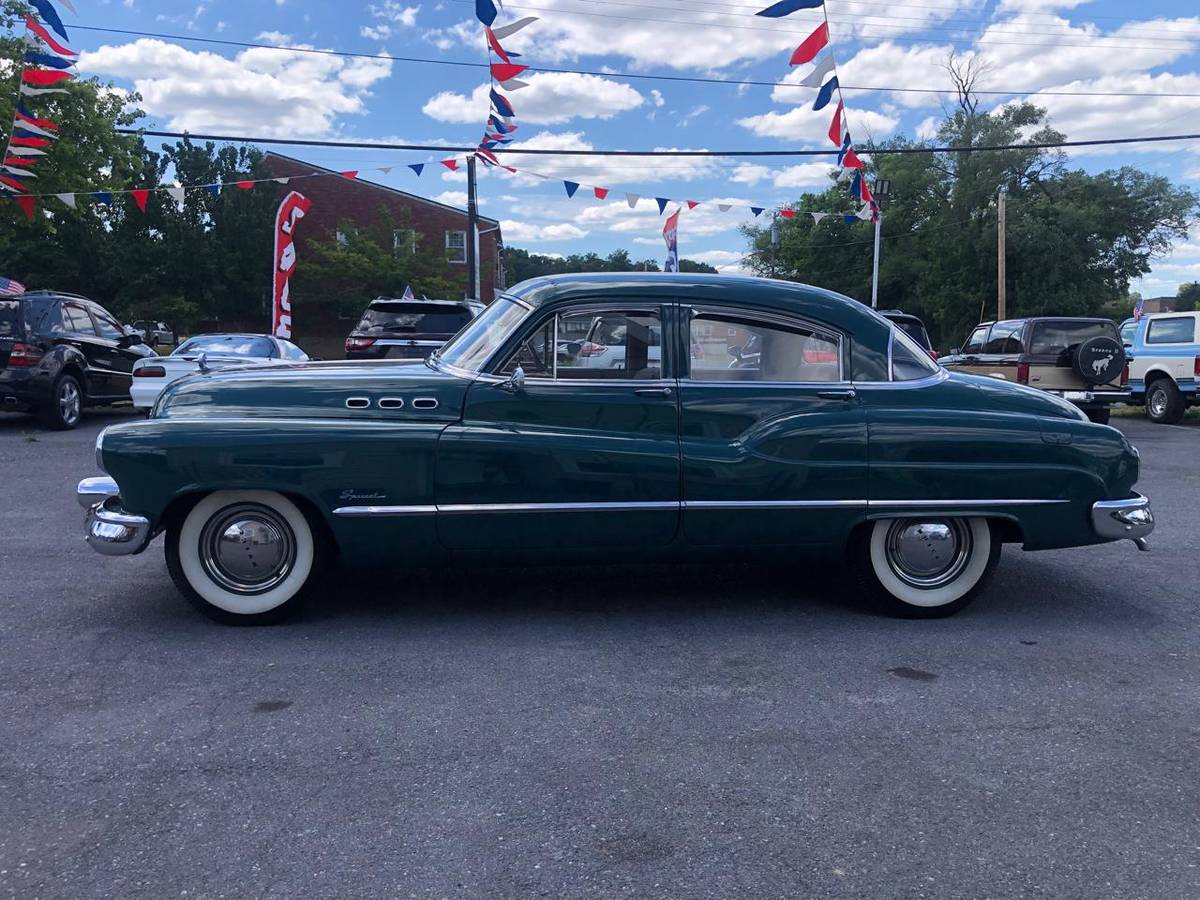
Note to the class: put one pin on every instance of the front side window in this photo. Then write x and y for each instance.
(456, 246)
(974, 343)
(1171, 331)
(729, 347)
(107, 326)
(1005, 337)
(1128, 331)
(77, 320)
(292, 352)
(593, 344)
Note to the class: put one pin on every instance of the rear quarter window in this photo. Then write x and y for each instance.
(10, 318)
(1180, 330)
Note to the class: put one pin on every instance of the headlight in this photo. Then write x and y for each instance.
(100, 451)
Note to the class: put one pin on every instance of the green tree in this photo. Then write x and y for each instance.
(1188, 297)
(521, 264)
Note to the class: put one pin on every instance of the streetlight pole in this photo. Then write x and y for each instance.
(882, 189)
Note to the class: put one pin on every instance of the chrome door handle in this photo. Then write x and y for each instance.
(653, 392)
(847, 394)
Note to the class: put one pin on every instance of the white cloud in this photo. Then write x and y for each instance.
(606, 171)
(551, 98)
(657, 97)
(718, 257)
(270, 92)
(376, 32)
(706, 219)
(525, 232)
(801, 125)
(394, 12)
(452, 198)
(803, 175)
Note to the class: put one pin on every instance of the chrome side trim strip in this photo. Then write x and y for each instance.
(615, 506)
(774, 504)
(359, 512)
(936, 504)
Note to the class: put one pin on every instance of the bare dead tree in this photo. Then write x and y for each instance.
(966, 73)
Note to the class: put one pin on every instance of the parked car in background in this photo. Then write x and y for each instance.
(1164, 368)
(408, 329)
(912, 326)
(1081, 360)
(208, 352)
(156, 334)
(490, 451)
(60, 353)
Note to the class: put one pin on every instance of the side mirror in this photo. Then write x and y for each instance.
(515, 383)
(128, 340)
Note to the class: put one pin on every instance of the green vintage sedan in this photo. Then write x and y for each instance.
(600, 417)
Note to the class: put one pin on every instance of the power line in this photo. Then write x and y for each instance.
(532, 151)
(735, 82)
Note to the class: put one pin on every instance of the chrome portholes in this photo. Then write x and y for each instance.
(928, 553)
(247, 548)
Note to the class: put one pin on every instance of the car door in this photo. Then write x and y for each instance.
(115, 354)
(1002, 352)
(967, 359)
(80, 332)
(773, 436)
(576, 456)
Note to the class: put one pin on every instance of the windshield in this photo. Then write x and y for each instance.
(476, 343)
(1055, 337)
(227, 345)
(414, 318)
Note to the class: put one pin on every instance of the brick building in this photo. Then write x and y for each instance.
(423, 226)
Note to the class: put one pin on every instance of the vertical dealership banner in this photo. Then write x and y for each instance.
(671, 236)
(291, 211)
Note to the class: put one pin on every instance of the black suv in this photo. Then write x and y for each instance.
(408, 329)
(60, 352)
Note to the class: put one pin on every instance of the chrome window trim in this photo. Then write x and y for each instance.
(398, 342)
(819, 329)
(588, 382)
(891, 372)
(931, 378)
(820, 385)
(942, 504)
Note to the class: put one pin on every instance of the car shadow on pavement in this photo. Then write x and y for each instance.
(17, 422)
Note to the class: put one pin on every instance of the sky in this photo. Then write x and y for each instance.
(1029, 46)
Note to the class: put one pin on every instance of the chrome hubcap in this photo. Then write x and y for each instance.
(247, 548)
(928, 554)
(1158, 402)
(68, 402)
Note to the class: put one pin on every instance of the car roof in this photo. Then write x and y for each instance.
(429, 300)
(229, 334)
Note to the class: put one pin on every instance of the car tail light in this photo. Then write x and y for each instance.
(150, 372)
(1196, 367)
(24, 355)
(1022, 373)
(359, 343)
(590, 349)
(1125, 372)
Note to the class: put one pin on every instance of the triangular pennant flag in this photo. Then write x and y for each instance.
(498, 126)
(27, 91)
(28, 142)
(13, 183)
(21, 160)
(386, 170)
(47, 38)
(509, 30)
(281, 180)
(22, 125)
(42, 77)
(17, 172)
(846, 174)
(417, 167)
(505, 71)
(724, 207)
(845, 148)
(140, 196)
(177, 194)
(601, 193)
(864, 192)
(856, 185)
(244, 185)
(757, 210)
(451, 164)
(487, 145)
(788, 213)
(811, 45)
(50, 16)
(68, 199)
(572, 187)
(487, 155)
(835, 127)
(692, 204)
(48, 59)
(214, 189)
(632, 200)
(662, 204)
(817, 217)
(787, 7)
(495, 44)
(30, 119)
(26, 203)
(825, 94)
(850, 219)
(103, 197)
(501, 103)
(816, 77)
(25, 151)
(485, 11)
(350, 175)
(851, 160)
(510, 169)
(865, 213)
(514, 84)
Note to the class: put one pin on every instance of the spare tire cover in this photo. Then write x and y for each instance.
(1099, 360)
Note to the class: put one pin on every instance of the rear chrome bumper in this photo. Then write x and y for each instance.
(1094, 397)
(110, 530)
(1113, 520)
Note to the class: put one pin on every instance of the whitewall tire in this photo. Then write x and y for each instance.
(242, 557)
(926, 567)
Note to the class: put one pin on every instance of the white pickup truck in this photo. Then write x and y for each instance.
(1164, 364)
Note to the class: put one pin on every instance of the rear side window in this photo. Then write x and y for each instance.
(914, 330)
(1005, 337)
(974, 343)
(77, 320)
(10, 318)
(727, 347)
(1180, 330)
(1057, 337)
(414, 318)
(910, 360)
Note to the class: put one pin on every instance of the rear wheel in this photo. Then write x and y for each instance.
(1164, 402)
(927, 567)
(1099, 416)
(242, 557)
(65, 406)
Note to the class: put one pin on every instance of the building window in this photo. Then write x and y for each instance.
(342, 239)
(456, 246)
(404, 241)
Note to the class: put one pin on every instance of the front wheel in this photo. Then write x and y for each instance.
(926, 568)
(242, 557)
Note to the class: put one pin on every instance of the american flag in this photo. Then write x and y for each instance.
(10, 288)
(1138, 307)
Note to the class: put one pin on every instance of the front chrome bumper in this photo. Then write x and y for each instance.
(109, 529)
(1113, 520)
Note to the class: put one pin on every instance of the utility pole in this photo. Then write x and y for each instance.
(472, 241)
(883, 187)
(1001, 274)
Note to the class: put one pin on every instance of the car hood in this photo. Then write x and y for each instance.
(336, 390)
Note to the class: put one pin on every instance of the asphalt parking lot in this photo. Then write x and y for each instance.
(598, 732)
